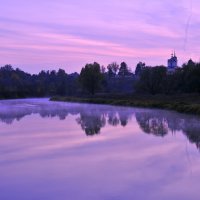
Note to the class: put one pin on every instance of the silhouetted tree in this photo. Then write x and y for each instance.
(112, 69)
(151, 80)
(139, 68)
(91, 77)
(123, 70)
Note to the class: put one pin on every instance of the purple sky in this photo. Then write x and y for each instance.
(52, 34)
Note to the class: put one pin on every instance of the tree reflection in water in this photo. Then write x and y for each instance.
(162, 122)
(91, 123)
(113, 118)
(92, 118)
(151, 124)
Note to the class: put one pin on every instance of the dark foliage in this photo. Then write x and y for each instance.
(15, 83)
(123, 70)
(156, 80)
(93, 79)
(139, 68)
(112, 69)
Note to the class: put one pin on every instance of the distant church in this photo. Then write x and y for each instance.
(172, 63)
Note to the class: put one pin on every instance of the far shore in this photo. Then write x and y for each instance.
(183, 103)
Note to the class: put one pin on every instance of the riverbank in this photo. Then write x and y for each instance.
(181, 103)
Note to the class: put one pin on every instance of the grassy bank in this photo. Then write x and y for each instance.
(182, 103)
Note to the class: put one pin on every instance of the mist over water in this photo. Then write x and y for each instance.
(52, 150)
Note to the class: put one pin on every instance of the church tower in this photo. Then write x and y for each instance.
(172, 63)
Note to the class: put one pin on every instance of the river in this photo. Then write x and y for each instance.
(70, 151)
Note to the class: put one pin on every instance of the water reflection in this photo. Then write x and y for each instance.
(152, 124)
(91, 123)
(93, 118)
(163, 122)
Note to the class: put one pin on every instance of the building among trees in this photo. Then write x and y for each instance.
(172, 63)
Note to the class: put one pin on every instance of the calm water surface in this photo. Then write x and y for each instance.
(66, 151)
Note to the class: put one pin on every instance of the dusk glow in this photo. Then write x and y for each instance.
(36, 35)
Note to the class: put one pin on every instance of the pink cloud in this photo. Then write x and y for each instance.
(77, 32)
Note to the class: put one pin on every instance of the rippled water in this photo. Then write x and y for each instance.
(59, 151)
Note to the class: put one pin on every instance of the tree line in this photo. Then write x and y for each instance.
(157, 80)
(15, 83)
(94, 78)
